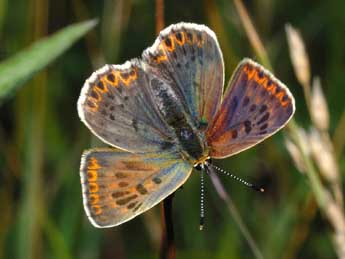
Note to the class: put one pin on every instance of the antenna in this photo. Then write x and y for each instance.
(250, 185)
(202, 190)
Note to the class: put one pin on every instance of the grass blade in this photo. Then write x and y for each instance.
(23, 66)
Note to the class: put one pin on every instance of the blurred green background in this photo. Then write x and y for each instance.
(42, 137)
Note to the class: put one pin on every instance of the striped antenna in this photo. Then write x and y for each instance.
(250, 185)
(202, 195)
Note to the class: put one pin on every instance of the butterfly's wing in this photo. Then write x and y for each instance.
(118, 185)
(117, 106)
(136, 106)
(255, 106)
(188, 59)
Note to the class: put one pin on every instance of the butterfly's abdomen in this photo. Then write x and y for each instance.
(174, 115)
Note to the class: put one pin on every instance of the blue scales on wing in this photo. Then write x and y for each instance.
(117, 106)
(187, 58)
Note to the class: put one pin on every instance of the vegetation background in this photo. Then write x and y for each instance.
(301, 213)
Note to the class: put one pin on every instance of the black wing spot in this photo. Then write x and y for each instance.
(168, 42)
(285, 98)
(269, 82)
(179, 36)
(132, 205)
(137, 207)
(100, 85)
(263, 127)
(94, 95)
(263, 108)
(119, 194)
(111, 78)
(247, 126)
(126, 200)
(90, 104)
(264, 118)
(157, 180)
(135, 124)
(252, 108)
(141, 189)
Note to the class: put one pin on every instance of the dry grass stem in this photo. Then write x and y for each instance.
(295, 155)
(298, 54)
(323, 156)
(253, 36)
(319, 108)
(298, 146)
(159, 15)
(328, 193)
(235, 214)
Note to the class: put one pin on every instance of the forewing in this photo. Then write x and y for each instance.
(118, 185)
(117, 106)
(188, 59)
(255, 106)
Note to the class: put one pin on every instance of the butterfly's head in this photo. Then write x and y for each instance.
(200, 164)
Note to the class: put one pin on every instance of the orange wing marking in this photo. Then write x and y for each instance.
(180, 38)
(96, 209)
(127, 78)
(267, 84)
(169, 43)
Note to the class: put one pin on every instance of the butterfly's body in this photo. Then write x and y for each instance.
(189, 140)
(167, 113)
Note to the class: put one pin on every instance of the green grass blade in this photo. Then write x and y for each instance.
(24, 65)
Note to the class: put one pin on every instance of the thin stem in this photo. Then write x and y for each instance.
(316, 185)
(168, 249)
(159, 15)
(234, 213)
(253, 36)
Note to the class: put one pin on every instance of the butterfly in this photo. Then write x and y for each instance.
(164, 114)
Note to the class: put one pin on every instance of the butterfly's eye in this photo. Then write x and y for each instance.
(198, 166)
